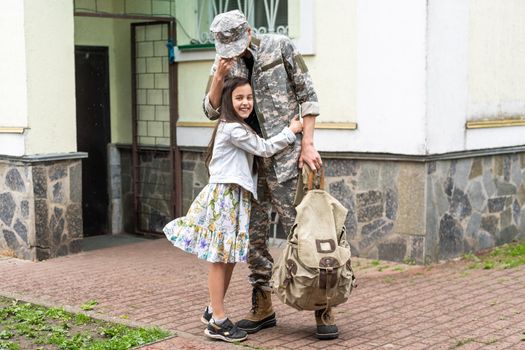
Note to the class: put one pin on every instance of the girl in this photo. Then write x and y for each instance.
(216, 225)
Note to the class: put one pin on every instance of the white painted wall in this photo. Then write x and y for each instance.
(391, 77)
(12, 144)
(476, 50)
(334, 66)
(496, 77)
(447, 75)
(496, 59)
(13, 85)
(50, 76)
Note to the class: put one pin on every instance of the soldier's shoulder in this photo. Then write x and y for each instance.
(273, 39)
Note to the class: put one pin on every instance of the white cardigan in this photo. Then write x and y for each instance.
(233, 152)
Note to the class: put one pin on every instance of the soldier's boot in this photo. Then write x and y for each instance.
(261, 314)
(326, 327)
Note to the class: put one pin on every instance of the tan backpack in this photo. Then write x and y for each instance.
(314, 272)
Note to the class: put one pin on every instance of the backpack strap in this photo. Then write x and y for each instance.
(311, 177)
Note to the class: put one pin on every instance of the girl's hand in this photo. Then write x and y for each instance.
(295, 125)
(224, 66)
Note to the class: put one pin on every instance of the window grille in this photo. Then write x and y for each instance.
(265, 16)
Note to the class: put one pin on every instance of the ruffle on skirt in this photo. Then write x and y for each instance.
(216, 225)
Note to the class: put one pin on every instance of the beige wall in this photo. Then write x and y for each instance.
(193, 77)
(334, 65)
(50, 76)
(114, 34)
(496, 59)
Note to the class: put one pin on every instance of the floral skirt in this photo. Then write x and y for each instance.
(216, 225)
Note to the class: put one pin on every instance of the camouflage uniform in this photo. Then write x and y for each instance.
(283, 89)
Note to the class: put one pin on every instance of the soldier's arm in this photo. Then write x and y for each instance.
(300, 78)
(306, 96)
(309, 154)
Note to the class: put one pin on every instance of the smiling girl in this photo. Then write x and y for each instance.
(216, 225)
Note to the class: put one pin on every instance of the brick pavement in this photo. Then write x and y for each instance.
(152, 283)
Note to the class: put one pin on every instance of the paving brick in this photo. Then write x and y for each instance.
(152, 283)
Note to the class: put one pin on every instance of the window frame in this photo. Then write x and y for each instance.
(304, 42)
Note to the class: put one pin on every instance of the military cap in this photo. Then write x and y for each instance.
(230, 30)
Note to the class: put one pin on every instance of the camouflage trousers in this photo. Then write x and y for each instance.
(281, 197)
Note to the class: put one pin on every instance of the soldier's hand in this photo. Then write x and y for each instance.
(310, 156)
(224, 66)
(296, 126)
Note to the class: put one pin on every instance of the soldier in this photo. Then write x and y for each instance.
(283, 90)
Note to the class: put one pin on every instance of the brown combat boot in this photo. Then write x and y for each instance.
(326, 327)
(261, 315)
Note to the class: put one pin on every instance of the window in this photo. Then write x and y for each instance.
(195, 42)
(265, 16)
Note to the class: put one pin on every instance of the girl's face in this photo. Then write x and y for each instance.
(242, 99)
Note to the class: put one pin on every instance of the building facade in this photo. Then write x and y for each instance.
(422, 125)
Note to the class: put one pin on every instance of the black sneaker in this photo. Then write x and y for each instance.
(206, 317)
(226, 331)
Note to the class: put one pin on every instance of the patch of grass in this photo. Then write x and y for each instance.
(8, 345)
(31, 327)
(89, 305)
(409, 261)
(375, 262)
(505, 257)
(81, 319)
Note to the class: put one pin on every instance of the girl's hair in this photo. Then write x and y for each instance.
(229, 115)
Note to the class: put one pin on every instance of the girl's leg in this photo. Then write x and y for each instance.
(216, 287)
(228, 277)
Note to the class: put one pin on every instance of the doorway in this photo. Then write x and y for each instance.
(155, 155)
(93, 134)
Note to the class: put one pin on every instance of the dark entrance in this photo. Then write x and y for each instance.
(93, 134)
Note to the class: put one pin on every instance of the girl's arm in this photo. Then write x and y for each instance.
(251, 143)
(212, 100)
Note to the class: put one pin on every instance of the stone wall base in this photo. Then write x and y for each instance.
(155, 186)
(40, 207)
(416, 210)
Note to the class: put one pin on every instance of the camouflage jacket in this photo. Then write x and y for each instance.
(282, 88)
